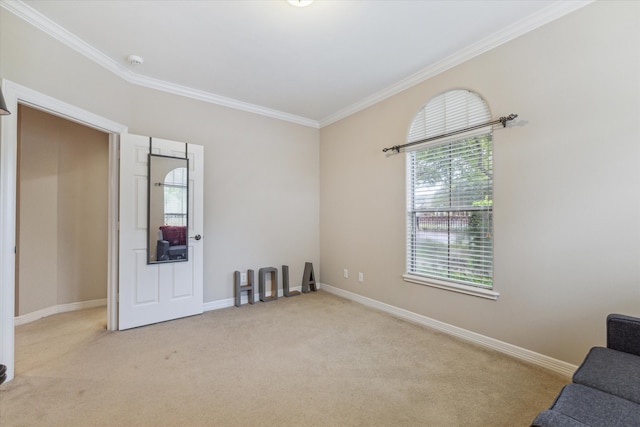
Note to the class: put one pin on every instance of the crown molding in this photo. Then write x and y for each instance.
(530, 23)
(544, 16)
(212, 98)
(38, 20)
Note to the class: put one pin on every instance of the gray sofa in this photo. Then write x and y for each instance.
(606, 387)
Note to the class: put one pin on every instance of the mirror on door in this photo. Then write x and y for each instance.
(167, 209)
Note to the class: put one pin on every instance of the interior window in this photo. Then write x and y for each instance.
(175, 197)
(450, 193)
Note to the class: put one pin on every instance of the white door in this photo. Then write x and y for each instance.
(151, 293)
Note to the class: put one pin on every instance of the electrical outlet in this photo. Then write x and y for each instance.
(345, 273)
(360, 277)
(243, 277)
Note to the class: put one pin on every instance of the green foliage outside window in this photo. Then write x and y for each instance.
(451, 208)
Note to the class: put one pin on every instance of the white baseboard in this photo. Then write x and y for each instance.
(63, 308)
(56, 309)
(244, 299)
(547, 362)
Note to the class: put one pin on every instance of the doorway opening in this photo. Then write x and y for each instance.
(16, 94)
(62, 198)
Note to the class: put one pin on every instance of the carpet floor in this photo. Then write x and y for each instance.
(312, 360)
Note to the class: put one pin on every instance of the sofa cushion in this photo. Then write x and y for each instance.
(550, 418)
(596, 408)
(611, 371)
(174, 234)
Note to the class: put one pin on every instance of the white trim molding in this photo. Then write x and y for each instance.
(8, 174)
(57, 309)
(538, 359)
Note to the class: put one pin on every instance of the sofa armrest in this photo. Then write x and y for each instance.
(623, 333)
(162, 250)
(551, 418)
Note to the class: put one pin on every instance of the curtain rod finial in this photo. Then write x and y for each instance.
(504, 120)
(395, 148)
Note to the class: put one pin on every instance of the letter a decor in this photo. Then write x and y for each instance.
(308, 279)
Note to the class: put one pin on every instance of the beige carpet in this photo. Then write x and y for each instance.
(312, 360)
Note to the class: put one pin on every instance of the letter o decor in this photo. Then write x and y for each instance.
(262, 274)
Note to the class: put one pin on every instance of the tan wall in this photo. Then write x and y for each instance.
(261, 177)
(62, 245)
(261, 185)
(37, 254)
(567, 204)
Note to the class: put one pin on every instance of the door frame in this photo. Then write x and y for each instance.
(15, 94)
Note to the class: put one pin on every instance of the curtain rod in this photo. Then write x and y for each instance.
(501, 120)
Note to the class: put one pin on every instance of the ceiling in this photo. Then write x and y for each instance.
(311, 65)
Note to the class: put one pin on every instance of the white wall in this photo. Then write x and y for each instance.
(567, 204)
(261, 174)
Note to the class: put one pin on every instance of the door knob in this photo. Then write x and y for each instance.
(197, 237)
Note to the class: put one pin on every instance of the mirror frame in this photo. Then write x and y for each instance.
(184, 162)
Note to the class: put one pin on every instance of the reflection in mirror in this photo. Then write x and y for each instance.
(167, 215)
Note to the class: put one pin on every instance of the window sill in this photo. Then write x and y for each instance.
(454, 287)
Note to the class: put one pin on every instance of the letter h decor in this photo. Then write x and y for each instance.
(248, 287)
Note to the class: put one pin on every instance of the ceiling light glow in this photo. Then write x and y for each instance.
(300, 3)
